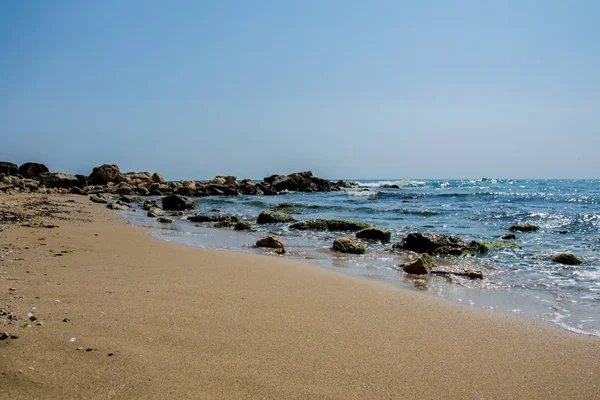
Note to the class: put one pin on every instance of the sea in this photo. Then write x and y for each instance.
(521, 280)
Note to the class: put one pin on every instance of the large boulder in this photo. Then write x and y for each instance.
(158, 178)
(32, 170)
(8, 168)
(422, 265)
(432, 243)
(176, 203)
(272, 242)
(58, 180)
(330, 225)
(566, 259)
(273, 217)
(104, 174)
(374, 234)
(138, 176)
(348, 245)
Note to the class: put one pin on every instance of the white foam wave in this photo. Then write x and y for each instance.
(400, 183)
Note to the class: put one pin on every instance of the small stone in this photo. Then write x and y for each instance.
(39, 323)
(67, 320)
(110, 354)
(80, 348)
(4, 336)
(14, 336)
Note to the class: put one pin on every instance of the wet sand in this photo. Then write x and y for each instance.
(182, 322)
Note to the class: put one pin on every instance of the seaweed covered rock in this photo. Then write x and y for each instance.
(273, 217)
(272, 242)
(227, 223)
(242, 226)
(348, 245)
(104, 174)
(176, 203)
(330, 225)
(432, 243)
(32, 170)
(567, 259)
(524, 228)
(422, 265)
(374, 234)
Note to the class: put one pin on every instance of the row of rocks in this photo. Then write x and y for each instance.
(108, 178)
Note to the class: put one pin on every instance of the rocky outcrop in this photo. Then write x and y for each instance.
(567, 259)
(272, 242)
(299, 182)
(32, 170)
(242, 226)
(273, 217)
(422, 265)
(374, 234)
(432, 243)
(330, 225)
(104, 174)
(176, 203)
(524, 228)
(8, 168)
(58, 180)
(348, 245)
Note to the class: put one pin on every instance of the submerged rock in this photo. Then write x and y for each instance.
(374, 234)
(348, 245)
(272, 242)
(242, 226)
(524, 228)
(330, 225)
(567, 259)
(510, 236)
(32, 170)
(433, 244)
(422, 265)
(176, 203)
(273, 217)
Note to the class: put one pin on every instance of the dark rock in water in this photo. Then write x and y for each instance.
(227, 223)
(330, 225)
(242, 226)
(155, 212)
(272, 242)
(164, 220)
(348, 245)
(211, 218)
(8, 168)
(421, 266)
(148, 204)
(104, 174)
(390, 186)
(344, 184)
(567, 259)
(176, 203)
(510, 236)
(273, 217)
(32, 170)
(158, 178)
(374, 234)
(467, 273)
(432, 243)
(58, 180)
(524, 228)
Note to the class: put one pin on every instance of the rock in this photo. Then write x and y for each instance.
(83, 180)
(344, 184)
(508, 237)
(104, 174)
(155, 212)
(138, 176)
(421, 266)
(330, 225)
(273, 217)
(242, 226)
(390, 187)
(98, 199)
(227, 223)
(374, 234)
(32, 170)
(201, 218)
(79, 191)
(467, 273)
(58, 180)
(117, 207)
(432, 244)
(524, 228)
(158, 178)
(4, 335)
(148, 204)
(567, 259)
(348, 245)
(165, 220)
(272, 242)
(176, 203)
(8, 168)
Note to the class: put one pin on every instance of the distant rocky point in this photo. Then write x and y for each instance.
(108, 178)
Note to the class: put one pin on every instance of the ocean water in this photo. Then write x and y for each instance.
(523, 281)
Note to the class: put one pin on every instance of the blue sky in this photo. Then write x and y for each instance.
(432, 89)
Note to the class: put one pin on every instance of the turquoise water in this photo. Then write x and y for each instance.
(524, 281)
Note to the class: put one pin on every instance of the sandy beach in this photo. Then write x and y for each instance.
(152, 319)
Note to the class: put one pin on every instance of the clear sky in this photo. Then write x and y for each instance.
(348, 89)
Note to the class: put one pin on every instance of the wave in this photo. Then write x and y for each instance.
(403, 183)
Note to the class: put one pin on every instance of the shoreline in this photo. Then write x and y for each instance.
(188, 322)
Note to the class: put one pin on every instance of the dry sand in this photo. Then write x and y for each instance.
(185, 323)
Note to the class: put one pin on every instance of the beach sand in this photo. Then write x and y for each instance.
(181, 322)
